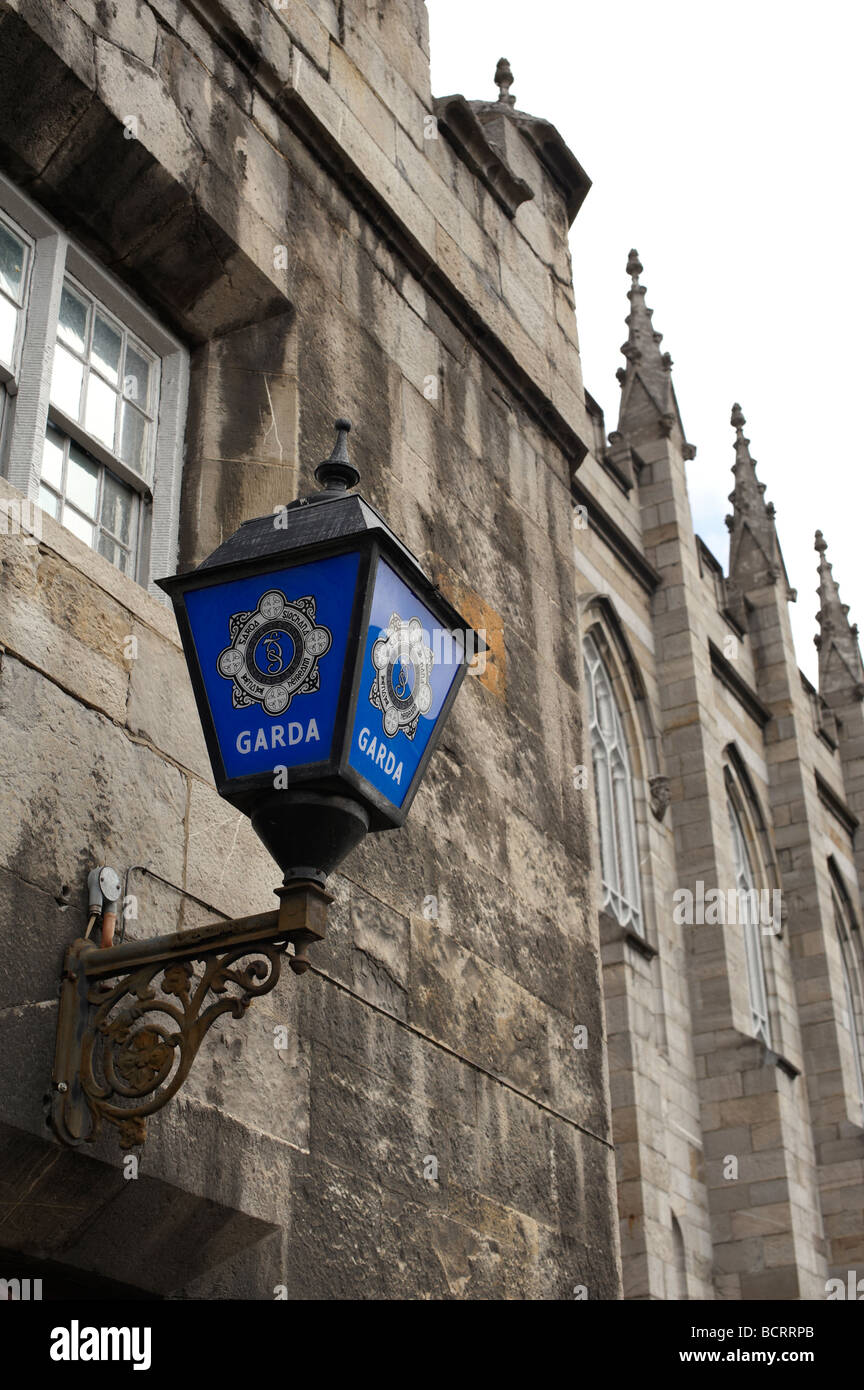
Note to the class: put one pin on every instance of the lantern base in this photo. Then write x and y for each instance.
(309, 833)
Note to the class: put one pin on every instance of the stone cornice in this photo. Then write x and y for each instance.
(549, 147)
(557, 159)
(837, 806)
(465, 133)
(618, 542)
(737, 686)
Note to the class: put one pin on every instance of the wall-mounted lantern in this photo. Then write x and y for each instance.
(324, 663)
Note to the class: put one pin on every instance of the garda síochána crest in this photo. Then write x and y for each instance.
(403, 666)
(274, 652)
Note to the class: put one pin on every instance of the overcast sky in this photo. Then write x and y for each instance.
(724, 143)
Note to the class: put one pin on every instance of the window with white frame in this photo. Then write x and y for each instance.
(852, 1011)
(95, 395)
(16, 256)
(89, 500)
(748, 899)
(613, 789)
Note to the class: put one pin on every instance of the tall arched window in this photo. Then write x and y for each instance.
(619, 862)
(677, 1274)
(747, 898)
(852, 1017)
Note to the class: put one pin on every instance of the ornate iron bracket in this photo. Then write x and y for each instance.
(127, 1039)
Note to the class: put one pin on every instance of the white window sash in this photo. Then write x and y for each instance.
(37, 354)
(10, 373)
(54, 258)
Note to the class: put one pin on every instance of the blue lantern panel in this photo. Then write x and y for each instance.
(272, 652)
(409, 664)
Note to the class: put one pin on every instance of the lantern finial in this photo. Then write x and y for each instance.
(337, 474)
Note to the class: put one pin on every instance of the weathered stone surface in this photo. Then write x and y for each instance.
(374, 1138)
(34, 976)
(56, 621)
(127, 805)
(226, 864)
(381, 956)
(241, 1072)
(434, 1126)
(161, 707)
(133, 30)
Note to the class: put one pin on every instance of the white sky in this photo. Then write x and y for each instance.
(724, 142)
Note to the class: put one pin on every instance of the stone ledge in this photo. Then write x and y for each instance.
(73, 1208)
(93, 567)
(746, 697)
(639, 943)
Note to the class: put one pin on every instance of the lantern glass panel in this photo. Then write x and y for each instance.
(271, 651)
(409, 664)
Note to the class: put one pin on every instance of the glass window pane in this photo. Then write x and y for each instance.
(8, 324)
(105, 352)
(603, 786)
(136, 377)
(82, 481)
(72, 327)
(115, 553)
(13, 255)
(752, 939)
(101, 410)
(49, 503)
(66, 378)
(619, 855)
(78, 525)
(117, 508)
(133, 438)
(52, 458)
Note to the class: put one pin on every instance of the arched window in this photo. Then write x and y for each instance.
(748, 897)
(677, 1276)
(619, 864)
(852, 1015)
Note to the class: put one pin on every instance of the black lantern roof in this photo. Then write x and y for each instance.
(305, 522)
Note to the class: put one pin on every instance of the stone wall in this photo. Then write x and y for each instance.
(283, 208)
(280, 188)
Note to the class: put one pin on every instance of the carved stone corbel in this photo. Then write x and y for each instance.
(660, 794)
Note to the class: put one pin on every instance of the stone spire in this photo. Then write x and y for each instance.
(504, 81)
(749, 508)
(840, 665)
(755, 559)
(647, 393)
